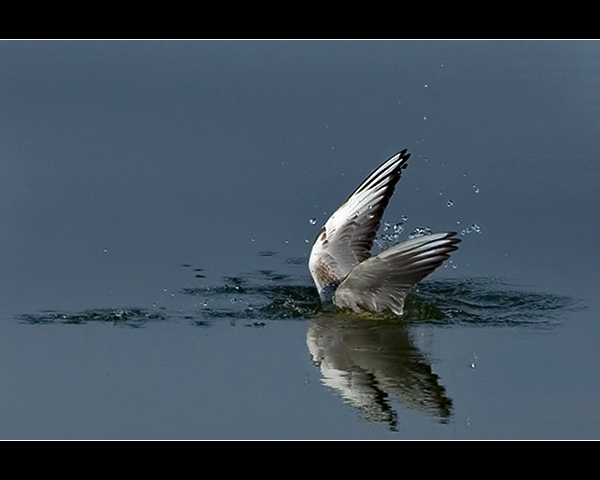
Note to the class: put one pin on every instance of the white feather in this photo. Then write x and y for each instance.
(347, 237)
(382, 282)
(340, 261)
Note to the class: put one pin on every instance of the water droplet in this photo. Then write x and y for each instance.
(391, 235)
(473, 363)
(424, 117)
(473, 228)
(450, 203)
(420, 232)
(475, 188)
(426, 85)
(313, 221)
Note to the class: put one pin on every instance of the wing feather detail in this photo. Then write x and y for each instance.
(347, 237)
(382, 282)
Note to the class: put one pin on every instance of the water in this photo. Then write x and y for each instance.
(159, 200)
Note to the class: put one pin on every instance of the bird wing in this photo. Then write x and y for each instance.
(347, 237)
(382, 282)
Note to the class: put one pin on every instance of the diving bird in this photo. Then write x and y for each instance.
(341, 264)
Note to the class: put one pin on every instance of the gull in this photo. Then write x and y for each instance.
(341, 264)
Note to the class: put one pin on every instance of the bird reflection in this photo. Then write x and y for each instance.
(369, 362)
(370, 359)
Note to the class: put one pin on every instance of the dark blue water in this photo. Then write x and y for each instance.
(159, 200)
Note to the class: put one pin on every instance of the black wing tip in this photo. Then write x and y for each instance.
(452, 236)
(454, 241)
(389, 172)
(403, 156)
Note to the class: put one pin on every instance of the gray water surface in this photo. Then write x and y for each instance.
(158, 202)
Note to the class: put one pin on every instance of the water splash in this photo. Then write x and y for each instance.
(240, 298)
(133, 317)
(420, 232)
(267, 295)
(391, 234)
(474, 228)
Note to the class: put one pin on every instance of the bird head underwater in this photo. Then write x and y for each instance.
(341, 264)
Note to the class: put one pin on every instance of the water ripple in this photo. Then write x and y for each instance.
(478, 301)
(269, 296)
(493, 302)
(134, 317)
